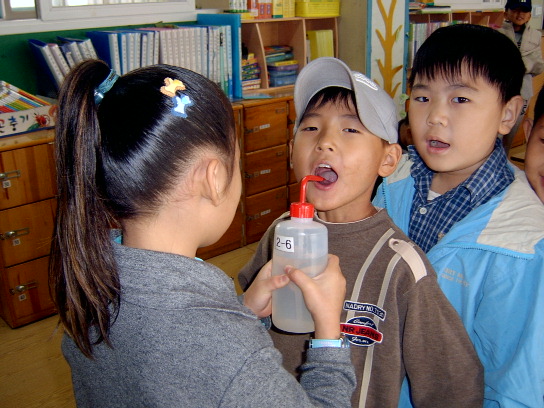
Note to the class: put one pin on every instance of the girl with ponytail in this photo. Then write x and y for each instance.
(148, 171)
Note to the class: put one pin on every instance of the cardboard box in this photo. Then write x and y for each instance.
(21, 112)
(317, 8)
(29, 120)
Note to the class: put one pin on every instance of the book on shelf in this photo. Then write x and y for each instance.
(430, 9)
(84, 46)
(212, 48)
(418, 33)
(107, 47)
(277, 9)
(47, 63)
(283, 63)
(72, 49)
(235, 38)
(59, 58)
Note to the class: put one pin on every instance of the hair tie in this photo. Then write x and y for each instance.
(105, 86)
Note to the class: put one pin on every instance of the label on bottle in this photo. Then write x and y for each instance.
(285, 244)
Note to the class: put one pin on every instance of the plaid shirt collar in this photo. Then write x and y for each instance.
(493, 175)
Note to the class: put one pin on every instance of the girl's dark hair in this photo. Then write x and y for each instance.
(483, 51)
(116, 161)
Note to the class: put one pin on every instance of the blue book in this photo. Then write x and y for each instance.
(107, 47)
(47, 64)
(234, 21)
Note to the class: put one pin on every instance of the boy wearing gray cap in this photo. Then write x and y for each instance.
(396, 319)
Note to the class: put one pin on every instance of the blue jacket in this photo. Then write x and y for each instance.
(490, 266)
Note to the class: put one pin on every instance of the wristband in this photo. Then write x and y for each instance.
(342, 342)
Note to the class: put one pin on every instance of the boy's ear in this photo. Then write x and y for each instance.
(510, 114)
(527, 127)
(291, 152)
(391, 156)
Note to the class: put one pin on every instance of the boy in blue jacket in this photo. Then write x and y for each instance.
(459, 199)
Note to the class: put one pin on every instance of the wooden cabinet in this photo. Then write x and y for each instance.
(261, 210)
(257, 34)
(233, 237)
(28, 204)
(27, 211)
(265, 158)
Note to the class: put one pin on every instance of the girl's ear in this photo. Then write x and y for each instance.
(527, 127)
(391, 157)
(213, 184)
(510, 114)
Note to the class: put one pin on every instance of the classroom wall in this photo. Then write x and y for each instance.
(352, 25)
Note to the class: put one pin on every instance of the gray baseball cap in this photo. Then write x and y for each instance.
(376, 109)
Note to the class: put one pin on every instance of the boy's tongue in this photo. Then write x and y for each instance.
(437, 143)
(329, 175)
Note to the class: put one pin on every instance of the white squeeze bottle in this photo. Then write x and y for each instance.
(303, 243)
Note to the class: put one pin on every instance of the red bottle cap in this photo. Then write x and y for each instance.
(303, 209)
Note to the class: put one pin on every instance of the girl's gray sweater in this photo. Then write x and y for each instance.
(181, 339)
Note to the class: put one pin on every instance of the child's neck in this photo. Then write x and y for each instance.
(518, 28)
(339, 217)
(444, 182)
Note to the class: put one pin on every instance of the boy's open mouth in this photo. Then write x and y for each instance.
(438, 144)
(327, 172)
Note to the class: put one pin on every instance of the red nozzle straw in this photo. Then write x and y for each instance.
(302, 209)
(303, 185)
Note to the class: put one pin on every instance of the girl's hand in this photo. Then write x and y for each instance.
(324, 296)
(258, 297)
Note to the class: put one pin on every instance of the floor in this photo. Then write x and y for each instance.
(33, 372)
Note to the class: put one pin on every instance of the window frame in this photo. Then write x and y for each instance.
(49, 13)
(101, 16)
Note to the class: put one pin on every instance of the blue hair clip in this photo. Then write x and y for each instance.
(105, 86)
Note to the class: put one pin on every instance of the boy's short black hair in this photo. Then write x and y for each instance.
(332, 94)
(485, 52)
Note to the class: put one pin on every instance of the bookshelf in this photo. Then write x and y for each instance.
(490, 18)
(422, 24)
(259, 33)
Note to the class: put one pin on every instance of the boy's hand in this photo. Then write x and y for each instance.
(324, 297)
(258, 297)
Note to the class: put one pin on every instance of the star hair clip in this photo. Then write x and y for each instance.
(181, 102)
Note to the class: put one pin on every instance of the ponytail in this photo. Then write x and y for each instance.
(83, 275)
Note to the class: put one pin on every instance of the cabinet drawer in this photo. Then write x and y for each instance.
(294, 193)
(25, 292)
(26, 231)
(265, 169)
(262, 209)
(265, 126)
(28, 175)
(231, 239)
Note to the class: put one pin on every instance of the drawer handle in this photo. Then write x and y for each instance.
(22, 288)
(280, 110)
(257, 173)
(14, 233)
(257, 128)
(10, 175)
(259, 215)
